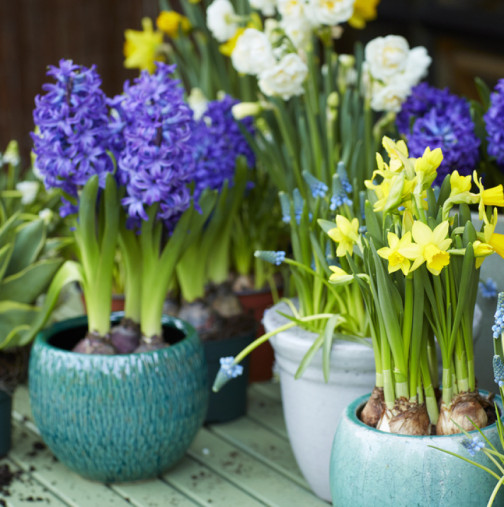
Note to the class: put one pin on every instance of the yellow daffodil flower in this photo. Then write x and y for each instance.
(364, 11)
(397, 152)
(140, 47)
(459, 184)
(426, 166)
(339, 275)
(430, 246)
(490, 237)
(345, 234)
(487, 197)
(481, 251)
(171, 23)
(393, 252)
(227, 48)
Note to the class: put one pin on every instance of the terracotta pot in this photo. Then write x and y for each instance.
(262, 358)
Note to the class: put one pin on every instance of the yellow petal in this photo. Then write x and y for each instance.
(422, 233)
(497, 241)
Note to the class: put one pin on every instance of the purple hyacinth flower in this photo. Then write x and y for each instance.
(494, 120)
(435, 118)
(156, 163)
(73, 134)
(218, 141)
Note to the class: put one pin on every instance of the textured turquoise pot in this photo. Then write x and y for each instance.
(371, 467)
(5, 423)
(123, 417)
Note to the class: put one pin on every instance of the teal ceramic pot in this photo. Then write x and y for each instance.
(231, 401)
(5, 423)
(123, 417)
(371, 467)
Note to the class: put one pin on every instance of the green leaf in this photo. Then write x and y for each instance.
(26, 285)
(328, 337)
(483, 92)
(28, 243)
(5, 255)
(69, 272)
(13, 317)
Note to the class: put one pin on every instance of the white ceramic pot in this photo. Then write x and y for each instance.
(312, 407)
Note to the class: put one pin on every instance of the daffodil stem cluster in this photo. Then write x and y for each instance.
(417, 264)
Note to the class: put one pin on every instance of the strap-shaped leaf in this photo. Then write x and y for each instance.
(14, 315)
(29, 241)
(5, 255)
(26, 285)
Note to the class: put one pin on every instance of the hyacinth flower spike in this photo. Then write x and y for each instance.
(73, 145)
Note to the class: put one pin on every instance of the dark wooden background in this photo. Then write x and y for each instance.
(465, 38)
(37, 33)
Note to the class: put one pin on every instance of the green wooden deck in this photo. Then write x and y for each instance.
(246, 462)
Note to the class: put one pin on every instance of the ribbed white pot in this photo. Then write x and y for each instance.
(312, 407)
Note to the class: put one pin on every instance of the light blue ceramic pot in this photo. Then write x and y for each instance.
(370, 467)
(123, 417)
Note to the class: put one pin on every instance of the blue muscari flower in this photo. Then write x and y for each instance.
(494, 121)
(498, 327)
(285, 205)
(345, 182)
(156, 164)
(488, 289)
(498, 368)
(230, 369)
(218, 141)
(298, 205)
(438, 119)
(473, 445)
(339, 200)
(317, 188)
(73, 134)
(271, 256)
(227, 371)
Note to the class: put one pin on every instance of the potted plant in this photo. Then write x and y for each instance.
(29, 260)
(204, 68)
(124, 166)
(417, 266)
(328, 121)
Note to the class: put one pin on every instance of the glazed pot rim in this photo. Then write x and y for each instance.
(44, 335)
(356, 406)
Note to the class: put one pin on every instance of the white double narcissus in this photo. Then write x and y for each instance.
(253, 53)
(330, 12)
(222, 20)
(285, 79)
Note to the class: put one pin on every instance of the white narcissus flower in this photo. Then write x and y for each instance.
(390, 96)
(286, 78)
(267, 7)
(417, 65)
(253, 52)
(197, 102)
(298, 29)
(331, 12)
(387, 56)
(221, 20)
(295, 9)
(29, 190)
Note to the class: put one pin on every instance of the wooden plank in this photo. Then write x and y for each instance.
(206, 487)
(21, 403)
(251, 475)
(24, 490)
(154, 493)
(266, 412)
(269, 448)
(29, 453)
(271, 389)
